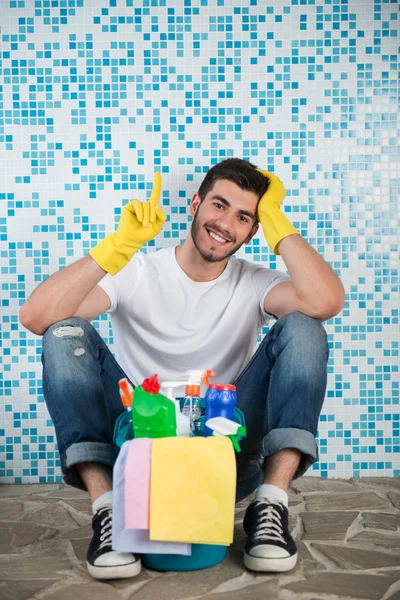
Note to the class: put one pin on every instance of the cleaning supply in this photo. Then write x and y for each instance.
(137, 484)
(220, 401)
(182, 421)
(192, 490)
(123, 425)
(225, 427)
(274, 222)
(126, 392)
(153, 414)
(135, 540)
(192, 406)
(140, 222)
(202, 556)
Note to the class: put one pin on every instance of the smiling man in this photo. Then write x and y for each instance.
(241, 225)
(191, 307)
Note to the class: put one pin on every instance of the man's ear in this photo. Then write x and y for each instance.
(194, 204)
(252, 233)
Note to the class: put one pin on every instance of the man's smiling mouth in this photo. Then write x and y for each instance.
(216, 237)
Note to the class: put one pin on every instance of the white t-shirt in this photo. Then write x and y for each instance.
(166, 323)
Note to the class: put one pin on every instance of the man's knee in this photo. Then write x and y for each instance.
(307, 330)
(71, 327)
(66, 337)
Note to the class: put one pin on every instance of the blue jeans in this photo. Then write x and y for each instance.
(280, 391)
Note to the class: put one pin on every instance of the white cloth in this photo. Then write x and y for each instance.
(166, 323)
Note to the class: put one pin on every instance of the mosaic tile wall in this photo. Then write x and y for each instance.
(94, 96)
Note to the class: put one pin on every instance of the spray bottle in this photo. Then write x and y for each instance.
(126, 391)
(123, 424)
(220, 426)
(182, 421)
(192, 407)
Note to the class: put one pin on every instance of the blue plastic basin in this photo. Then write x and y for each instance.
(202, 557)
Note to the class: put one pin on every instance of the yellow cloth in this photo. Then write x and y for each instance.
(274, 222)
(192, 491)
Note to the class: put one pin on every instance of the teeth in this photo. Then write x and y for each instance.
(216, 237)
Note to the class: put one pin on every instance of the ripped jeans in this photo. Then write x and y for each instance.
(280, 391)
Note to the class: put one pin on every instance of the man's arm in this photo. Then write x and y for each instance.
(73, 291)
(314, 289)
(61, 296)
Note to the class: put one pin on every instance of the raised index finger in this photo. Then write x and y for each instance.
(156, 191)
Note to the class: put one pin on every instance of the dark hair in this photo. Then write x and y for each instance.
(239, 171)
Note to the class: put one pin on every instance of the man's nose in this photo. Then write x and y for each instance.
(226, 222)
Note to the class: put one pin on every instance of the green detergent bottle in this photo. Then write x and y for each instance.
(153, 414)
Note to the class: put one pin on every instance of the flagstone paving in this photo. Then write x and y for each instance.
(347, 532)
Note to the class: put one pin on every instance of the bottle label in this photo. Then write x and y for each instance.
(196, 412)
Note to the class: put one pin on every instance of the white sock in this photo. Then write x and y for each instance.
(103, 500)
(272, 492)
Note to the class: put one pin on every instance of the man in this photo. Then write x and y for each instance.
(193, 307)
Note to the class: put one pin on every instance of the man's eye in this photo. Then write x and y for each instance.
(244, 219)
(217, 204)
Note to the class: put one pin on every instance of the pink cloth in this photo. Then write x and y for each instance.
(134, 540)
(137, 484)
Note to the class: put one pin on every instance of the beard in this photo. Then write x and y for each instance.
(209, 255)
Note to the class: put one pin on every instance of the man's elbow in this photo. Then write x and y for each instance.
(30, 321)
(338, 302)
(330, 310)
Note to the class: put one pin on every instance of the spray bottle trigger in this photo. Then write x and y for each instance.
(234, 441)
(125, 392)
(206, 375)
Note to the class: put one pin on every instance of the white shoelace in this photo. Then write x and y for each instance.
(269, 527)
(106, 527)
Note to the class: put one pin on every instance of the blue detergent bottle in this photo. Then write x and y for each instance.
(220, 401)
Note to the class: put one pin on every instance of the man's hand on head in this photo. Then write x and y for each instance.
(275, 224)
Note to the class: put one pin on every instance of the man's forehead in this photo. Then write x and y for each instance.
(233, 193)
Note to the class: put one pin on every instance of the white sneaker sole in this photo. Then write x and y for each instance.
(115, 572)
(276, 565)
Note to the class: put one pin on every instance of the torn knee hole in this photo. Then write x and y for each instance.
(68, 331)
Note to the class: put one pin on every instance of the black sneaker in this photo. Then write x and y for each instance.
(269, 547)
(102, 561)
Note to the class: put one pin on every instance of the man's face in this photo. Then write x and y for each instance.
(224, 221)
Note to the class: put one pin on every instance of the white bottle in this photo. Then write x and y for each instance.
(182, 421)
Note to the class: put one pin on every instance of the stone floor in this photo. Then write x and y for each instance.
(348, 535)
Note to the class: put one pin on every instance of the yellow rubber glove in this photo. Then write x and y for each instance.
(275, 224)
(140, 222)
